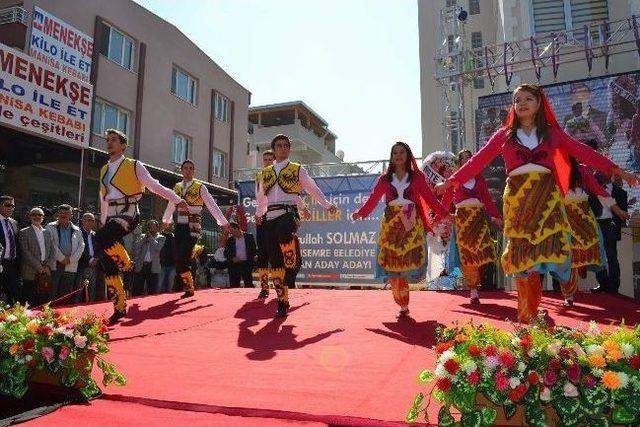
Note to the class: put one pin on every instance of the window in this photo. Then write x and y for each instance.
(179, 148)
(476, 42)
(108, 116)
(476, 39)
(219, 164)
(222, 107)
(183, 85)
(451, 3)
(474, 7)
(558, 15)
(450, 43)
(117, 47)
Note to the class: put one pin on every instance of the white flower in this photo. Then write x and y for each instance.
(469, 366)
(594, 348)
(570, 390)
(532, 353)
(624, 379)
(449, 354)
(627, 349)
(593, 327)
(522, 367)
(441, 372)
(514, 382)
(554, 348)
(515, 342)
(11, 318)
(597, 372)
(80, 341)
(63, 330)
(545, 394)
(578, 350)
(28, 358)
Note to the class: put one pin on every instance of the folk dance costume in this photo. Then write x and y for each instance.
(535, 220)
(472, 246)
(262, 263)
(122, 184)
(587, 245)
(282, 184)
(189, 225)
(402, 237)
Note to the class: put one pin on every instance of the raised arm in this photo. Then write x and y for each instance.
(154, 185)
(213, 206)
(375, 196)
(481, 159)
(312, 189)
(584, 153)
(429, 197)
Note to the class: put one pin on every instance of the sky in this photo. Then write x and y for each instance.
(354, 62)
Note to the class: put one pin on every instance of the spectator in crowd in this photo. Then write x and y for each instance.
(10, 282)
(68, 248)
(147, 259)
(240, 251)
(37, 258)
(129, 244)
(167, 260)
(87, 265)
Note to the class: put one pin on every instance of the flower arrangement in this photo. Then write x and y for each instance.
(60, 344)
(582, 377)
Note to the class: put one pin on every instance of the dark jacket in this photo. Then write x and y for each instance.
(83, 262)
(16, 238)
(622, 200)
(230, 248)
(168, 252)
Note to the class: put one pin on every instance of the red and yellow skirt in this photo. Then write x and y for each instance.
(401, 242)
(586, 245)
(474, 243)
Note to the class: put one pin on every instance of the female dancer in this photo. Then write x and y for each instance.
(472, 246)
(401, 242)
(535, 151)
(587, 246)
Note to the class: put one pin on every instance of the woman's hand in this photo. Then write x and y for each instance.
(355, 216)
(629, 177)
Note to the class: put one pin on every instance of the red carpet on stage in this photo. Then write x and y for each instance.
(340, 358)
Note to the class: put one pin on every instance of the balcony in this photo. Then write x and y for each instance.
(14, 22)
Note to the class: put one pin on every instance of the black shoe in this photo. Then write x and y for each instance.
(116, 316)
(283, 308)
(402, 314)
(186, 295)
(474, 301)
(263, 294)
(598, 290)
(568, 303)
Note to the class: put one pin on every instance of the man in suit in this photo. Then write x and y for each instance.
(10, 281)
(147, 259)
(37, 257)
(167, 260)
(68, 246)
(240, 251)
(87, 265)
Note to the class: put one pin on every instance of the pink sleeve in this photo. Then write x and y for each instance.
(487, 200)
(481, 159)
(591, 184)
(374, 198)
(430, 198)
(447, 198)
(585, 154)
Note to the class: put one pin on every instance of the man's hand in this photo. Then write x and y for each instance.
(66, 261)
(630, 177)
(623, 215)
(182, 205)
(42, 269)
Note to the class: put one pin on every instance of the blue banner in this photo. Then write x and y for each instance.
(334, 249)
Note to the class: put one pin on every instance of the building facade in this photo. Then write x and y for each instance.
(149, 81)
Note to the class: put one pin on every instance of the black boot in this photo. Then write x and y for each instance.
(283, 308)
(116, 316)
(187, 295)
(263, 294)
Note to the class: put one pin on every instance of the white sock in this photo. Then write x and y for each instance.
(474, 293)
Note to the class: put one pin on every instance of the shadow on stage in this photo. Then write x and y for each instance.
(275, 335)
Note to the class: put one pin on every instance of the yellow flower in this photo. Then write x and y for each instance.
(32, 326)
(611, 380)
(14, 349)
(596, 360)
(615, 355)
(613, 350)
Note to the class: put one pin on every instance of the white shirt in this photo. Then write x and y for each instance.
(606, 210)
(277, 196)
(90, 243)
(40, 238)
(531, 142)
(147, 255)
(7, 245)
(143, 176)
(400, 185)
(241, 248)
(209, 202)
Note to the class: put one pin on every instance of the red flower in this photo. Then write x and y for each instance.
(474, 350)
(44, 330)
(443, 346)
(533, 378)
(451, 366)
(443, 384)
(589, 381)
(573, 373)
(473, 378)
(525, 342)
(550, 377)
(27, 346)
(517, 393)
(501, 381)
(490, 350)
(564, 353)
(31, 363)
(507, 359)
(634, 361)
(554, 365)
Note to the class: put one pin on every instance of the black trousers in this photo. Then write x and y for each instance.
(262, 242)
(145, 276)
(282, 230)
(609, 279)
(185, 242)
(10, 281)
(240, 270)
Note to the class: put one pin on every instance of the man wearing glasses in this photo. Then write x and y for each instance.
(37, 256)
(10, 281)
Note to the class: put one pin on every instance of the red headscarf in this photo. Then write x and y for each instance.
(561, 161)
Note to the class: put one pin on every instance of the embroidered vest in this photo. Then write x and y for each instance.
(288, 179)
(192, 197)
(124, 179)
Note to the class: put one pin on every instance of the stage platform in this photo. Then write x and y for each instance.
(340, 358)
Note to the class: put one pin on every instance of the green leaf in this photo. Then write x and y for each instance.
(489, 416)
(465, 402)
(596, 396)
(510, 410)
(20, 389)
(600, 422)
(535, 415)
(494, 396)
(568, 408)
(445, 419)
(425, 376)
(633, 403)
(622, 415)
(412, 415)
(417, 402)
(472, 419)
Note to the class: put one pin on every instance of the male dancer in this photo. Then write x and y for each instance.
(122, 184)
(262, 264)
(189, 222)
(281, 184)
